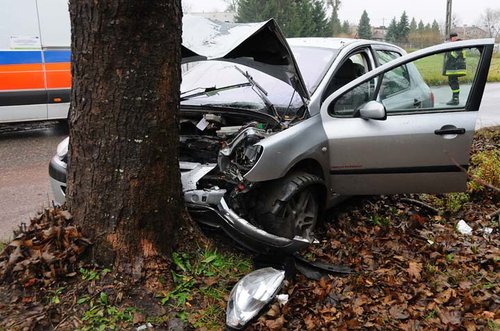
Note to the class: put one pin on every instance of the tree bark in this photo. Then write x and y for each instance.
(123, 174)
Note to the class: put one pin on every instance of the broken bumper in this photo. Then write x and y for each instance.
(209, 207)
(243, 232)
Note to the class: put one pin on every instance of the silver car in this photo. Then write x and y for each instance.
(274, 131)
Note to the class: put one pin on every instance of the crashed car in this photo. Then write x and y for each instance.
(273, 131)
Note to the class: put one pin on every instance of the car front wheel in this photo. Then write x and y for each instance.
(290, 206)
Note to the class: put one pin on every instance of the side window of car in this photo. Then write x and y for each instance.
(395, 81)
(439, 82)
(351, 68)
(353, 99)
(384, 56)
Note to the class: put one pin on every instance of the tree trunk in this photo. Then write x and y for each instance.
(123, 174)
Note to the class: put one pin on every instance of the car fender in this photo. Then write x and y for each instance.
(282, 151)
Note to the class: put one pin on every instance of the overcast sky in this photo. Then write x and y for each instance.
(382, 11)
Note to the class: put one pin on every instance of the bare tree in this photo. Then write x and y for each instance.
(123, 175)
(491, 20)
(232, 5)
(186, 7)
(335, 4)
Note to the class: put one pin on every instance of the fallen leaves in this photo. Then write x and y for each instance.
(414, 273)
(48, 249)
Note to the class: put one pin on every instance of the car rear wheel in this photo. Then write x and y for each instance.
(290, 206)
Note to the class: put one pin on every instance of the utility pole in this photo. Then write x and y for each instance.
(448, 19)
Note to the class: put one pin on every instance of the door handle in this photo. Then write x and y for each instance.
(449, 131)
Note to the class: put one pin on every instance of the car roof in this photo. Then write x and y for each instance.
(331, 43)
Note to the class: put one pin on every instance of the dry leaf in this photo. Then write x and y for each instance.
(445, 296)
(276, 324)
(398, 312)
(449, 317)
(414, 270)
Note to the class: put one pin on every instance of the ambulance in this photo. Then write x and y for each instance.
(35, 76)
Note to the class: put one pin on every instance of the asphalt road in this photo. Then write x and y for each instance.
(25, 152)
(26, 149)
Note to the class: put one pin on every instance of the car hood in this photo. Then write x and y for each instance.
(261, 46)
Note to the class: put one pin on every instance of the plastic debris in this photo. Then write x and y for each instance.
(143, 327)
(464, 228)
(487, 231)
(282, 299)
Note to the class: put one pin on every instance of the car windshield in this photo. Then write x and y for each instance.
(222, 84)
(313, 63)
(215, 76)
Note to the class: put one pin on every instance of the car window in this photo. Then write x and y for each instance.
(395, 81)
(351, 68)
(313, 64)
(440, 82)
(384, 56)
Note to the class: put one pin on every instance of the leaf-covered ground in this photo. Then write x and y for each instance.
(412, 270)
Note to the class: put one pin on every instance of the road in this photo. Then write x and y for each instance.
(25, 152)
(489, 114)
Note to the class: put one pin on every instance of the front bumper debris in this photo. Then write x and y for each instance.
(57, 175)
(209, 207)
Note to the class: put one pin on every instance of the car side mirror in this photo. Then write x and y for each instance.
(372, 110)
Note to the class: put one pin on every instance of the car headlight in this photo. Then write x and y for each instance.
(62, 149)
(251, 294)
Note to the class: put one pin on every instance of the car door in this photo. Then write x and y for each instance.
(392, 131)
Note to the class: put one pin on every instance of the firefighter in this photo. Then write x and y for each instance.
(454, 67)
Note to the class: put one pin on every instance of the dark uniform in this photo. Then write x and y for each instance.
(454, 67)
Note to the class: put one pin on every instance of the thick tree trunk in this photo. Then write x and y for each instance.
(123, 174)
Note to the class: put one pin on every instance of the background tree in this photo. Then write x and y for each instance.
(298, 18)
(334, 17)
(421, 26)
(435, 27)
(413, 25)
(123, 175)
(392, 31)
(491, 20)
(232, 5)
(335, 24)
(346, 28)
(403, 28)
(320, 21)
(364, 27)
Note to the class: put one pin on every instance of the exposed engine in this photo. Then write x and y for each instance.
(226, 140)
(217, 151)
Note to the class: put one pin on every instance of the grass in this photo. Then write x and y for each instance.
(431, 69)
(100, 313)
(485, 169)
(204, 277)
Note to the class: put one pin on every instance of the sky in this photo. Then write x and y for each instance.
(382, 11)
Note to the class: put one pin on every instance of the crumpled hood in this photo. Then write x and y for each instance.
(261, 46)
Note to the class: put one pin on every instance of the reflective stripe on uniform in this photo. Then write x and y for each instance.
(454, 72)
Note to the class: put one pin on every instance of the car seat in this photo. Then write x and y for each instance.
(347, 72)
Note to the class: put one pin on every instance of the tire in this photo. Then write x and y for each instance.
(290, 206)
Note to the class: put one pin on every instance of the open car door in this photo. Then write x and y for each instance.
(400, 128)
